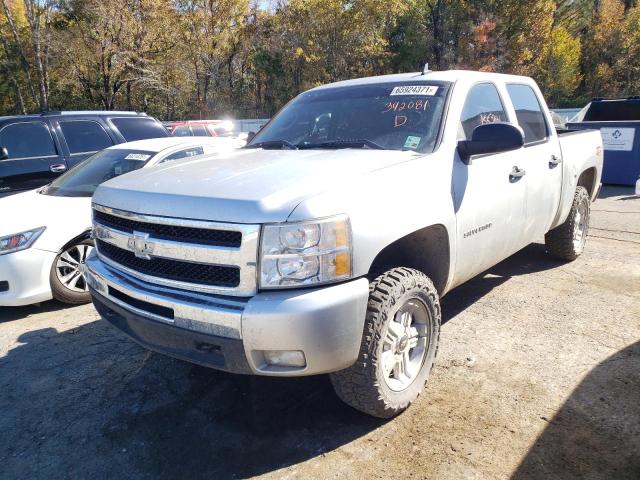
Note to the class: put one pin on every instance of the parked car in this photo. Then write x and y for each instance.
(202, 128)
(34, 149)
(45, 233)
(326, 244)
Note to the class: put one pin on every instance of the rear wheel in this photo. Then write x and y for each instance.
(399, 345)
(68, 283)
(567, 241)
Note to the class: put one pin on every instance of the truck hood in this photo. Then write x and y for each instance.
(249, 186)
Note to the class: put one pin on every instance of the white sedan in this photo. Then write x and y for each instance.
(45, 233)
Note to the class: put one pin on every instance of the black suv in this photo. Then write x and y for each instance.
(36, 148)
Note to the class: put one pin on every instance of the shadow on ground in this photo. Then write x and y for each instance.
(586, 438)
(10, 314)
(89, 403)
(530, 259)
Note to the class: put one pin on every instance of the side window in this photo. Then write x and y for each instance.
(528, 112)
(199, 131)
(182, 131)
(139, 128)
(85, 136)
(188, 152)
(30, 139)
(483, 105)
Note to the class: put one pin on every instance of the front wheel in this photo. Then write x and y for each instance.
(567, 241)
(68, 283)
(399, 345)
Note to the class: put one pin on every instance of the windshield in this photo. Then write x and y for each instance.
(397, 116)
(83, 179)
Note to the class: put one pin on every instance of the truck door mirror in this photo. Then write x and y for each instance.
(4, 153)
(491, 138)
(250, 136)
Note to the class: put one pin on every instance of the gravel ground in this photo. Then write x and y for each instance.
(538, 376)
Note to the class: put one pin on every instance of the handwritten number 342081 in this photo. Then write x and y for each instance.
(418, 105)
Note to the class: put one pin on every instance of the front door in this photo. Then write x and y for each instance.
(489, 199)
(34, 159)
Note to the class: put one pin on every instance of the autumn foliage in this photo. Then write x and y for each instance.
(213, 58)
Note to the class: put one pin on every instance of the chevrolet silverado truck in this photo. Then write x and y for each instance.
(325, 244)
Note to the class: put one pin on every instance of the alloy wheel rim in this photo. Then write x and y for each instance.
(70, 268)
(404, 347)
(580, 227)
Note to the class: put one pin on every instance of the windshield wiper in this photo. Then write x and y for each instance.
(273, 145)
(360, 143)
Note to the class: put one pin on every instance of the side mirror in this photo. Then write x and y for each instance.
(4, 153)
(491, 138)
(250, 136)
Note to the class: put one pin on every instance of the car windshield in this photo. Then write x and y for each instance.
(83, 179)
(389, 116)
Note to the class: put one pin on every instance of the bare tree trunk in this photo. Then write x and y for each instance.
(32, 9)
(19, 99)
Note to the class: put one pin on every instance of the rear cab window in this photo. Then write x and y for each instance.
(139, 128)
(27, 140)
(529, 113)
(84, 136)
(483, 105)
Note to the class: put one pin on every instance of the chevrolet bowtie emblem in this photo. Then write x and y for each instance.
(140, 244)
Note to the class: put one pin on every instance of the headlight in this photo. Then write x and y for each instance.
(19, 241)
(305, 253)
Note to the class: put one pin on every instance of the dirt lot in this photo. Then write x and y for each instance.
(538, 377)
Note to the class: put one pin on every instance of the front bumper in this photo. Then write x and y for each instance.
(27, 273)
(230, 333)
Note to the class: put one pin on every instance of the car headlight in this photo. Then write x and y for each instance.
(305, 253)
(19, 241)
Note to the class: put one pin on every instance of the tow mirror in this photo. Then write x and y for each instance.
(4, 153)
(491, 138)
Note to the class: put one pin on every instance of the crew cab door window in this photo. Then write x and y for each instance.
(187, 152)
(183, 131)
(483, 105)
(27, 140)
(528, 112)
(84, 136)
(137, 128)
(199, 131)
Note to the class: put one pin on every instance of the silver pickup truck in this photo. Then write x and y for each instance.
(325, 245)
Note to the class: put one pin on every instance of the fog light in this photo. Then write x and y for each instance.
(285, 358)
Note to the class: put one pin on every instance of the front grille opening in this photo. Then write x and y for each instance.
(202, 236)
(142, 305)
(176, 270)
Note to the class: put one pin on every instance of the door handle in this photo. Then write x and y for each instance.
(555, 161)
(58, 168)
(517, 172)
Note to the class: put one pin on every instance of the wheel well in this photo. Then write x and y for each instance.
(83, 236)
(587, 179)
(426, 250)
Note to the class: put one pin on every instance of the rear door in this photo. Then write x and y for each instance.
(489, 201)
(83, 138)
(540, 158)
(34, 157)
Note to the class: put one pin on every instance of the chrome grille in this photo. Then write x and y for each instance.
(203, 274)
(225, 238)
(196, 255)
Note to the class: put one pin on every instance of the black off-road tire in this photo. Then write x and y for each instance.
(62, 293)
(560, 240)
(362, 385)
